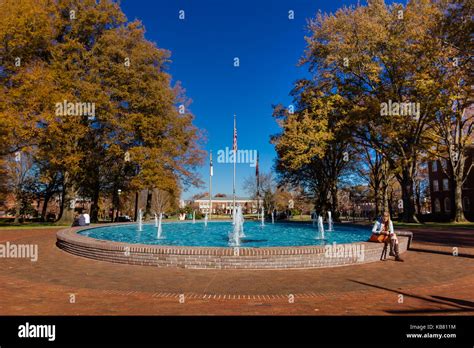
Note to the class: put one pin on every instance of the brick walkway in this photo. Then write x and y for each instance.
(426, 283)
(444, 240)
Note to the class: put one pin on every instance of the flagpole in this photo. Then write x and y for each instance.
(235, 160)
(210, 186)
(257, 174)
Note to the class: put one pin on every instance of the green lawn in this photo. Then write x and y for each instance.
(28, 225)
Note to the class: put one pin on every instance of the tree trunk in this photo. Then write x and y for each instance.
(67, 216)
(44, 210)
(95, 206)
(334, 203)
(389, 202)
(17, 208)
(148, 204)
(406, 184)
(377, 203)
(458, 208)
(68, 202)
(457, 181)
(61, 206)
(136, 207)
(386, 203)
(384, 193)
(418, 199)
(114, 204)
(377, 187)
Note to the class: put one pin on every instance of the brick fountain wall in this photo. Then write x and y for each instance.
(224, 258)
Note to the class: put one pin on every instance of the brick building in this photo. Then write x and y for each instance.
(224, 205)
(442, 190)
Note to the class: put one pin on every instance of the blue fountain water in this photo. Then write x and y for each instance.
(216, 234)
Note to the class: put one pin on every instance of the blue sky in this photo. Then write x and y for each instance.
(203, 47)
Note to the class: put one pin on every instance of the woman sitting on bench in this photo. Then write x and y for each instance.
(383, 233)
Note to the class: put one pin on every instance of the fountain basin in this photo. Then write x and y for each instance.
(78, 241)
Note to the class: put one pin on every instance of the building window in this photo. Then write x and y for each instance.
(447, 205)
(445, 185)
(437, 206)
(466, 204)
(435, 186)
(434, 167)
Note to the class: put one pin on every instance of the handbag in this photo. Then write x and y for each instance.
(378, 238)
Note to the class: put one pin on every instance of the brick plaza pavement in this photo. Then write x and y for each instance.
(430, 281)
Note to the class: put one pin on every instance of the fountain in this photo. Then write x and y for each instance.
(279, 246)
(205, 220)
(273, 216)
(194, 216)
(156, 220)
(158, 235)
(242, 220)
(320, 227)
(140, 222)
(238, 230)
(313, 217)
(263, 218)
(330, 224)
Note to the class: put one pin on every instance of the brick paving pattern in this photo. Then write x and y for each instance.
(431, 281)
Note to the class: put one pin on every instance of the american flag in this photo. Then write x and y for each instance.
(211, 169)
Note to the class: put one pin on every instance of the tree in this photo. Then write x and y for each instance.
(163, 201)
(87, 53)
(378, 54)
(371, 169)
(315, 144)
(454, 126)
(282, 197)
(266, 190)
(21, 181)
(49, 185)
(301, 201)
(375, 169)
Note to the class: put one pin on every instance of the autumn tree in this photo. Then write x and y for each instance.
(315, 145)
(380, 54)
(454, 126)
(87, 52)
